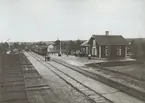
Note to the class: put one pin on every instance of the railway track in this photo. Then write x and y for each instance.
(80, 87)
(121, 87)
(132, 80)
(104, 69)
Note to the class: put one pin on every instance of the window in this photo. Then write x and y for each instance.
(107, 53)
(94, 43)
(119, 50)
(94, 51)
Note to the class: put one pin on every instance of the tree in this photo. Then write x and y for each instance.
(4, 47)
(78, 44)
(134, 48)
(16, 45)
(40, 43)
(57, 44)
(143, 50)
(22, 46)
(138, 49)
(71, 46)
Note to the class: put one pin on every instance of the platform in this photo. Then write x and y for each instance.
(21, 83)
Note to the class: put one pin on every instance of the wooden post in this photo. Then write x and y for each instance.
(60, 48)
(125, 51)
(89, 50)
(99, 51)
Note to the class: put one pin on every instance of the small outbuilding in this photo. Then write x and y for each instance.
(85, 48)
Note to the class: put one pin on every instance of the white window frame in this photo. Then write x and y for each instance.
(94, 43)
(107, 53)
(94, 51)
(119, 51)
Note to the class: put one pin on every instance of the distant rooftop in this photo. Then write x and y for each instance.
(85, 43)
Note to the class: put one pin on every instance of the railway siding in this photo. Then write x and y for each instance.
(121, 85)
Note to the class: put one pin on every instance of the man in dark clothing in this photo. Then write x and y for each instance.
(47, 57)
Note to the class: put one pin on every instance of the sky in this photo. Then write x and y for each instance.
(48, 20)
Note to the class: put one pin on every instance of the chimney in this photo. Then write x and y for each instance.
(106, 33)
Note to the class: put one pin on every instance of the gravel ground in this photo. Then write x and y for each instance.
(64, 92)
(81, 61)
(73, 60)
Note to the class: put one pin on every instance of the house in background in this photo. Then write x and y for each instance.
(50, 47)
(107, 46)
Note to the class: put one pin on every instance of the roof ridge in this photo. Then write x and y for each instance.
(110, 39)
(107, 35)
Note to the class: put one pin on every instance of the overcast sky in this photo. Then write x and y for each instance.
(36, 20)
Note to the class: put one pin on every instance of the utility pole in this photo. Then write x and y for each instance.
(8, 43)
(60, 47)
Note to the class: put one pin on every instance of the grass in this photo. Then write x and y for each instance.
(135, 70)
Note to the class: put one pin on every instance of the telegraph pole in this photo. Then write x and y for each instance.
(60, 47)
(8, 43)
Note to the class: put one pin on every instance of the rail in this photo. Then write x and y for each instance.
(80, 87)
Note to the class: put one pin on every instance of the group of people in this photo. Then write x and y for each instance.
(47, 57)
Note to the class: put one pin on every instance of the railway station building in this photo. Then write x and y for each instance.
(105, 46)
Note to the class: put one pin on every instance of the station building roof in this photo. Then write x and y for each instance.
(110, 40)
